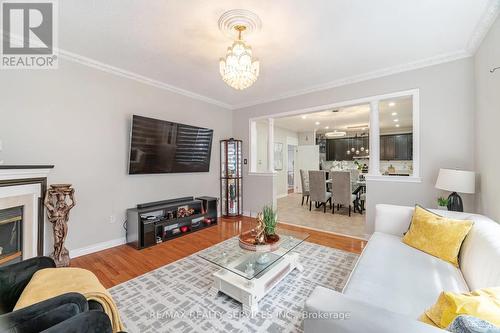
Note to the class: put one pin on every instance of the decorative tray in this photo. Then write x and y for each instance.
(247, 242)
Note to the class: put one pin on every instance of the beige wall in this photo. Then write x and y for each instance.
(446, 122)
(78, 118)
(487, 123)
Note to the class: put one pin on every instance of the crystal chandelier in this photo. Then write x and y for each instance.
(239, 69)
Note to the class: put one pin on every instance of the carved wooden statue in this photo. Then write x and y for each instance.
(59, 200)
(260, 237)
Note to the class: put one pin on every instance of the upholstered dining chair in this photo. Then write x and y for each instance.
(341, 182)
(354, 178)
(317, 190)
(304, 180)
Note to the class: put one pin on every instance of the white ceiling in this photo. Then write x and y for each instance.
(303, 45)
(353, 119)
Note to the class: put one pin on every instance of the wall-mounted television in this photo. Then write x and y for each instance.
(158, 146)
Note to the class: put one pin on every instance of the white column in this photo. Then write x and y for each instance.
(270, 145)
(374, 165)
(253, 146)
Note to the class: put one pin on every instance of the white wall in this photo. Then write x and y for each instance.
(487, 122)
(307, 159)
(78, 119)
(446, 122)
(285, 137)
(307, 138)
(262, 127)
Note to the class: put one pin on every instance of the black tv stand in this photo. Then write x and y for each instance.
(156, 222)
(163, 202)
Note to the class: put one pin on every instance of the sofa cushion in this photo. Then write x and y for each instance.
(399, 278)
(481, 303)
(480, 253)
(439, 236)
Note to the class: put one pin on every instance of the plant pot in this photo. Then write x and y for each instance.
(272, 238)
(442, 208)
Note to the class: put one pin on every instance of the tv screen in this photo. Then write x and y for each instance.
(158, 146)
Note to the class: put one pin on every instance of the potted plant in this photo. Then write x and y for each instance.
(442, 203)
(270, 219)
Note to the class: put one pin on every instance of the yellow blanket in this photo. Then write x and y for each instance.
(50, 282)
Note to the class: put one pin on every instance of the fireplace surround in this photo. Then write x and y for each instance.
(23, 187)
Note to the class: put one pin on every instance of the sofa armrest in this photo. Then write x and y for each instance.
(45, 314)
(358, 316)
(392, 219)
(88, 322)
(15, 277)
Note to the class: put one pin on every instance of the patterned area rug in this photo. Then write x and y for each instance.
(175, 298)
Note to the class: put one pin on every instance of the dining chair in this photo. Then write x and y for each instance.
(304, 180)
(341, 182)
(354, 178)
(317, 190)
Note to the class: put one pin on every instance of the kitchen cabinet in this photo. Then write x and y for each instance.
(396, 147)
(393, 147)
(336, 149)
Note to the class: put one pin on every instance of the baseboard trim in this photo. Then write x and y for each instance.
(96, 247)
(283, 195)
(325, 231)
(248, 213)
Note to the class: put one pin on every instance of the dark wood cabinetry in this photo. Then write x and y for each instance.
(396, 147)
(393, 147)
(336, 149)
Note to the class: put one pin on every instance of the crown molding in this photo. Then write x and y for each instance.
(484, 25)
(363, 77)
(137, 77)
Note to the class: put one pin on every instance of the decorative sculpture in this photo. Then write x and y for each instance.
(260, 235)
(59, 200)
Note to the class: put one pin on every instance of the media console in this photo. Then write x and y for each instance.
(156, 222)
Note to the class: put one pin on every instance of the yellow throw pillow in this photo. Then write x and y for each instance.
(437, 235)
(483, 304)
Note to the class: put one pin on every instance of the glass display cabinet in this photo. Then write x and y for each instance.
(230, 177)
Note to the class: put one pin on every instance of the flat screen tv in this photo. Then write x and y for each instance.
(158, 146)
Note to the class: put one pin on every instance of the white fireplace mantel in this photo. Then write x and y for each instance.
(10, 172)
(24, 185)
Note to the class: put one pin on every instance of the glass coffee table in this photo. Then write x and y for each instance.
(247, 276)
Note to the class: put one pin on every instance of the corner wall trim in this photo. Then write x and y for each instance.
(96, 247)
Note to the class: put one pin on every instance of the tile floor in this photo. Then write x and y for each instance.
(290, 211)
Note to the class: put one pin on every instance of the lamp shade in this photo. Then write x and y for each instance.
(456, 181)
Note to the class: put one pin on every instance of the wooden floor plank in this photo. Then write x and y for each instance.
(121, 263)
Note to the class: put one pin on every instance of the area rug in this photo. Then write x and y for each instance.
(175, 297)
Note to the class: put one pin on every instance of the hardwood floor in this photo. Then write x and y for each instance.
(122, 263)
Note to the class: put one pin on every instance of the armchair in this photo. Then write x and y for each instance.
(65, 313)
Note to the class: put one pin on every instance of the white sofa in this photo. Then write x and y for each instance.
(393, 284)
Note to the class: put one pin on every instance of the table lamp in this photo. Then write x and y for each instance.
(456, 181)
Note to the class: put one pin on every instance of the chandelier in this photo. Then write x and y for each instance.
(239, 69)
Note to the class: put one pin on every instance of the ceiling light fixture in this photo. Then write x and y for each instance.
(397, 125)
(304, 117)
(391, 104)
(358, 127)
(394, 114)
(335, 134)
(239, 69)
(317, 123)
(327, 127)
(395, 120)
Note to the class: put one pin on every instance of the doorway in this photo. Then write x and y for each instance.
(291, 168)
